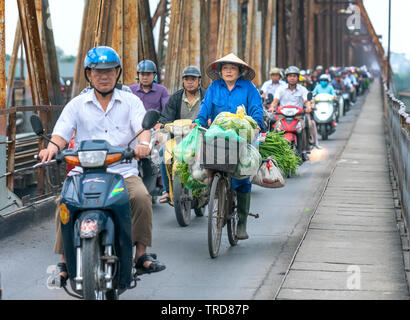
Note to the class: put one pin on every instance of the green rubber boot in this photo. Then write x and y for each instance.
(244, 202)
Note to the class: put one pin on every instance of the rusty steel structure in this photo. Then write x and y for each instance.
(326, 32)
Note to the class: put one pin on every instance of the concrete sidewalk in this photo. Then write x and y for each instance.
(352, 248)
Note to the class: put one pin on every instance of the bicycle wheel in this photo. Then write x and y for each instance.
(232, 223)
(216, 214)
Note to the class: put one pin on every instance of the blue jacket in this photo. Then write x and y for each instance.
(329, 89)
(218, 99)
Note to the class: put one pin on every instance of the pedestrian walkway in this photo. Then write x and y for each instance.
(352, 248)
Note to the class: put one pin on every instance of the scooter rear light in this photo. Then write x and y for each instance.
(111, 158)
(72, 160)
(88, 229)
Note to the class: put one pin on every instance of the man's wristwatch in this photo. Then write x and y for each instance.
(147, 144)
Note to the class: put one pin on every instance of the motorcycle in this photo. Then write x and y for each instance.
(291, 124)
(324, 115)
(339, 105)
(182, 199)
(95, 218)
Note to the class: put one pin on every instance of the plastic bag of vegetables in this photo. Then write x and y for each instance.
(275, 145)
(220, 132)
(249, 163)
(242, 124)
(185, 150)
(201, 175)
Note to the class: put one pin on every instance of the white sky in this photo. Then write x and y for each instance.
(67, 17)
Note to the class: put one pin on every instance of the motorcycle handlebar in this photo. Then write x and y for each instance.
(43, 164)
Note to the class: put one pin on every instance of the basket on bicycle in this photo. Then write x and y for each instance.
(220, 154)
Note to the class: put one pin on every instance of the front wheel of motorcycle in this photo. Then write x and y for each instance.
(91, 265)
(323, 132)
(182, 204)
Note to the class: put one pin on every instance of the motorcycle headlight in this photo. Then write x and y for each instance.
(92, 159)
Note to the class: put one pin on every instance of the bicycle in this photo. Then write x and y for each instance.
(222, 205)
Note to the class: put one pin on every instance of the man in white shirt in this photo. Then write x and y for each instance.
(294, 95)
(272, 85)
(113, 115)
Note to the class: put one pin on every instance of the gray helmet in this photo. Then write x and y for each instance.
(292, 70)
(146, 66)
(319, 67)
(191, 71)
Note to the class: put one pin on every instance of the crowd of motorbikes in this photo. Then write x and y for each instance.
(327, 109)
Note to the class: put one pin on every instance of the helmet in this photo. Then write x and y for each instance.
(102, 58)
(338, 74)
(308, 72)
(324, 77)
(146, 66)
(302, 72)
(319, 67)
(292, 70)
(191, 71)
(275, 71)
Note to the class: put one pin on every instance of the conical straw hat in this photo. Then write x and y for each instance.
(214, 69)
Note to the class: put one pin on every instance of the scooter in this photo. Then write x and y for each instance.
(182, 199)
(95, 218)
(340, 105)
(291, 125)
(324, 115)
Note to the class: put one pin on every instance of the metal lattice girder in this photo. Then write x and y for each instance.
(184, 45)
(35, 66)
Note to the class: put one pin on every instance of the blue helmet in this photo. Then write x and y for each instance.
(102, 58)
(146, 66)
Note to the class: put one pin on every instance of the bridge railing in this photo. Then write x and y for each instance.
(397, 122)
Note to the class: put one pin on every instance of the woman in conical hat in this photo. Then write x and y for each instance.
(232, 87)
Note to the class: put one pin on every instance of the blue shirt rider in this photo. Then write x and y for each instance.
(324, 86)
(232, 88)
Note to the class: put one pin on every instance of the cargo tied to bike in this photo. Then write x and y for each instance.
(224, 147)
(276, 146)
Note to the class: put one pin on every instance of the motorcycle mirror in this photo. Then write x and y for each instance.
(270, 98)
(36, 125)
(39, 130)
(150, 119)
(310, 96)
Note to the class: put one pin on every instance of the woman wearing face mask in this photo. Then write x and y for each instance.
(324, 86)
